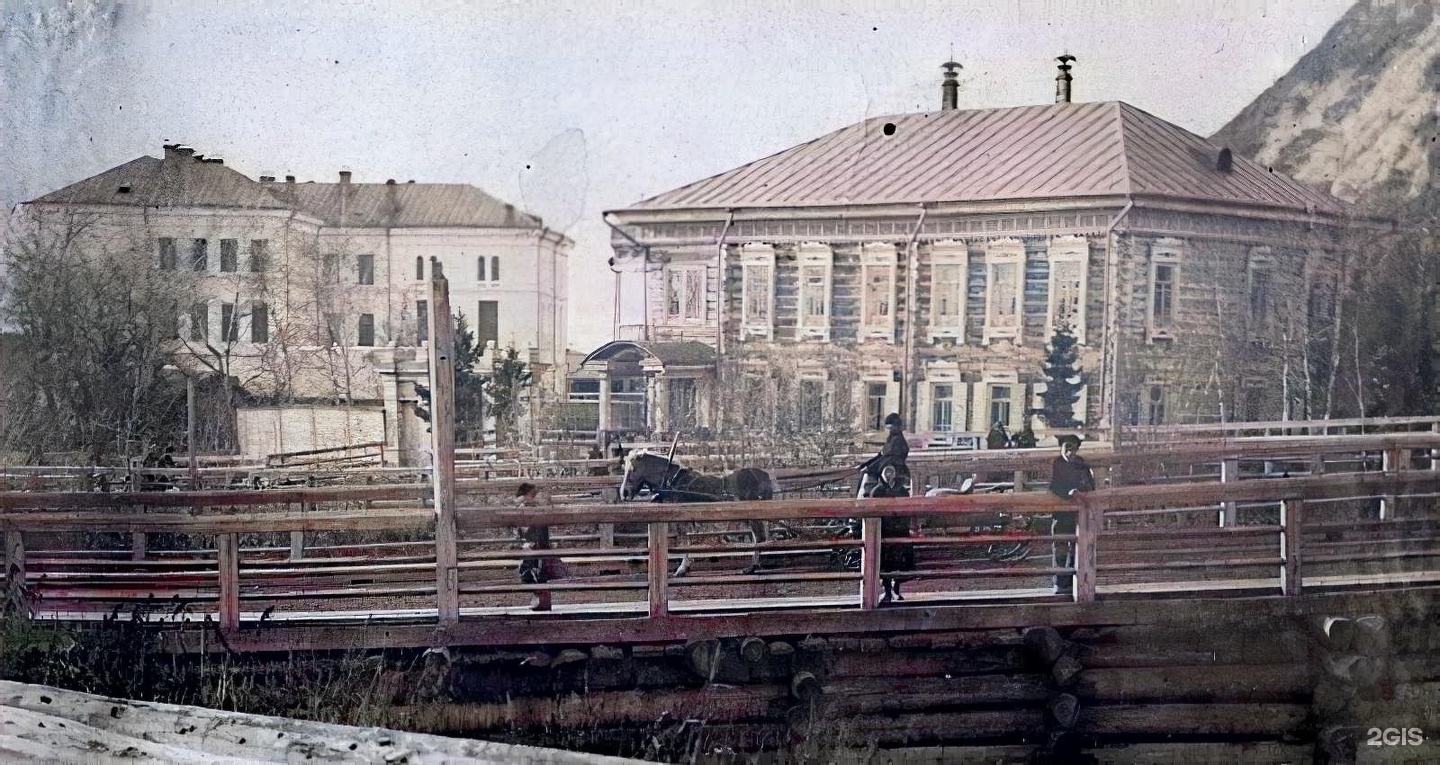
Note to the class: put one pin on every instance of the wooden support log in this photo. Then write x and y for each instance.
(879, 695)
(1065, 671)
(805, 687)
(1372, 636)
(1045, 643)
(606, 652)
(704, 657)
(781, 648)
(753, 650)
(1064, 710)
(1225, 683)
(1271, 720)
(1339, 633)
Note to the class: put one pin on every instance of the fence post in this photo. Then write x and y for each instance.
(442, 443)
(1019, 480)
(229, 561)
(1392, 460)
(1229, 473)
(1290, 512)
(870, 564)
(137, 545)
(658, 572)
(1087, 532)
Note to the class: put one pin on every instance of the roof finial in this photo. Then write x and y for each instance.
(950, 88)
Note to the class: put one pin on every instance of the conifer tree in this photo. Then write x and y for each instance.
(1063, 379)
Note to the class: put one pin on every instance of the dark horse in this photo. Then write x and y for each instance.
(669, 481)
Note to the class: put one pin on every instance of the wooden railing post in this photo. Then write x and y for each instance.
(870, 564)
(1087, 532)
(229, 561)
(137, 545)
(1391, 460)
(1229, 473)
(1290, 512)
(1019, 480)
(442, 444)
(658, 573)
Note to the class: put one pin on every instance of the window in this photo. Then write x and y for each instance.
(480, 269)
(259, 323)
(419, 269)
(259, 255)
(366, 333)
(167, 253)
(942, 408)
(199, 254)
(200, 322)
(1004, 289)
(365, 268)
(494, 268)
(487, 324)
(949, 267)
(1155, 405)
(422, 321)
(875, 395)
(682, 404)
(229, 255)
(1259, 291)
(1164, 287)
(811, 414)
(229, 330)
(877, 292)
(757, 272)
(815, 263)
(1000, 404)
(685, 293)
(1069, 257)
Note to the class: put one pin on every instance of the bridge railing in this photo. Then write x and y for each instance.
(365, 553)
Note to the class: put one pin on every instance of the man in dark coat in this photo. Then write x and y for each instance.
(894, 555)
(895, 451)
(1069, 475)
(534, 570)
(997, 438)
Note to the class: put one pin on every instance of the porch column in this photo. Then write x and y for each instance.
(604, 421)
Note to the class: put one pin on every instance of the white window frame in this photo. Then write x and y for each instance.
(877, 257)
(949, 254)
(1004, 252)
(1070, 251)
(757, 260)
(812, 256)
(1166, 252)
(684, 273)
(1260, 259)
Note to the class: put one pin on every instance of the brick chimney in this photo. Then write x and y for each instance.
(344, 196)
(950, 88)
(1062, 80)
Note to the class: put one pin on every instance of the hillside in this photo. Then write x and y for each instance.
(1357, 115)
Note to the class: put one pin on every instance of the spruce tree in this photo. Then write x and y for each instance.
(1063, 379)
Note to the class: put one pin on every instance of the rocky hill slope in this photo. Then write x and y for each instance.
(1360, 114)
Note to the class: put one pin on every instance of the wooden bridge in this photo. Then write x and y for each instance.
(346, 566)
(1213, 585)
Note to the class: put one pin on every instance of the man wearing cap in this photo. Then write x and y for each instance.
(1069, 475)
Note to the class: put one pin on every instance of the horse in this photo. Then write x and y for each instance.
(669, 481)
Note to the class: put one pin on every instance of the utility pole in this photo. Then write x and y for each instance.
(442, 445)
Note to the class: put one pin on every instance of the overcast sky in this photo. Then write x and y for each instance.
(605, 103)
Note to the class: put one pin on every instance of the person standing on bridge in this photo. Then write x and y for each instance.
(1069, 475)
(894, 453)
(895, 556)
(534, 570)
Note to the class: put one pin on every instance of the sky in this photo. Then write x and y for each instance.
(569, 109)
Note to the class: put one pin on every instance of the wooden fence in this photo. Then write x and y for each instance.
(1276, 516)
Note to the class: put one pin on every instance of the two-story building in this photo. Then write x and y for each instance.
(921, 262)
(319, 291)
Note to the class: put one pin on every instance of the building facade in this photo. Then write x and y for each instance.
(319, 291)
(920, 263)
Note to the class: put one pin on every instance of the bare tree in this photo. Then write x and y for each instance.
(94, 318)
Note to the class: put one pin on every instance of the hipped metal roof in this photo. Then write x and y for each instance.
(1062, 150)
(187, 181)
